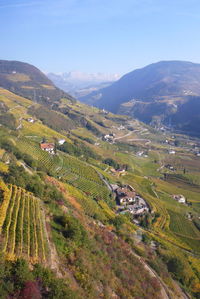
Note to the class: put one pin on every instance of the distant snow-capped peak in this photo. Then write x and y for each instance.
(73, 76)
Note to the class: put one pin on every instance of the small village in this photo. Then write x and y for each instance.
(128, 201)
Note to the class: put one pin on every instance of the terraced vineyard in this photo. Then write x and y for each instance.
(23, 232)
(181, 226)
(70, 169)
(89, 206)
(79, 168)
(48, 162)
(89, 187)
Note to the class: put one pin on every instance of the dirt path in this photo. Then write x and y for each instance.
(53, 256)
(26, 167)
(165, 292)
(20, 123)
(164, 289)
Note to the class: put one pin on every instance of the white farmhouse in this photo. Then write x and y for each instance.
(180, 198)
(61, 141)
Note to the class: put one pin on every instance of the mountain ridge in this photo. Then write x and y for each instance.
(156, 91)
(26, 80)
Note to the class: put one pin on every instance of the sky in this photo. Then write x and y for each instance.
(110, 36)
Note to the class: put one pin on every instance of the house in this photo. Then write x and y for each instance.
(48, 147)
(109, 137)
(104, 111)
(121, 171)
(172, 152)
(170, 167)
(180, 198)
(140, 154)
(125, 195)
(61, 141)
(30, 120)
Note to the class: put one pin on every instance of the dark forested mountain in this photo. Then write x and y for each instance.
(28, 81)
(158, 92)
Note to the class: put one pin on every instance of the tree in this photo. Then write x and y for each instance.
(118, 221)
(111, 162)
(176, 267)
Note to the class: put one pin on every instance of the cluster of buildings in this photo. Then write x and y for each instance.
(129, 201)
(109, 137)
(121, 128)
(194, 148)
(196, 151)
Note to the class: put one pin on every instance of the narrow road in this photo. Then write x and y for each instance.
(18, 106)
(121, 137)
(131, 132)
(148, 141)
(104, 180)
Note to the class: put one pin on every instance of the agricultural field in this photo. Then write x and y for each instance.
(23, 232)
(181, 226)
(13, 100)
(40, 130)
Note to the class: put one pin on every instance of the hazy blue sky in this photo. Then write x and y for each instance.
(114, 36)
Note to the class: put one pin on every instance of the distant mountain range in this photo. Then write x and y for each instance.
(80, 84)
(165, 92)
(28, 81)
